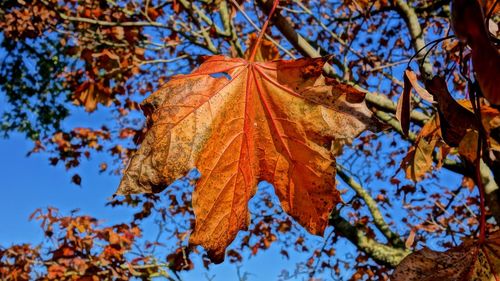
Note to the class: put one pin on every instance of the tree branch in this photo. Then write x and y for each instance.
(109, 23)
(228, 25)
(250, 21)
(416, 33)
(380, 253)
(191, 7)
(297, 41)
(378, 218)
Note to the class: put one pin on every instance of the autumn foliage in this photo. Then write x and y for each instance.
(371, 124)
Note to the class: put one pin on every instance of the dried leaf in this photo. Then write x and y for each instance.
(469, 25)
(467, 19)
(353, 95)
(412, 78)
(89, 95)
(267, 51)
(411, 239)
(454, 118)
(472, 16)
(490, 118)
(468, 146)
(486, 63)
(469, 261)
(419, 159)
(240, 123)
(76, 179)
(469, 183)
(490, 7)
(366, 5)
(403, 108)
(443, 151)
(494, 132)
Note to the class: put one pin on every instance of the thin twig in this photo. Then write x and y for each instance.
(250, 21)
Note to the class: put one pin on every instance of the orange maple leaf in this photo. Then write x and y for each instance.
(242, 122)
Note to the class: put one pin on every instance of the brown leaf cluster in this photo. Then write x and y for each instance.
(72, 146)
(455, 125)
(117, 52)
(82, 251)
(119, 64)
(26, 21)
(16, 262)
(430, 145)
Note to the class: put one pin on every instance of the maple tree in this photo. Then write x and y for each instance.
(346, 158)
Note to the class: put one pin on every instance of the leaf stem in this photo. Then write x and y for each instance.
(262, 32)
(476, 104)
(482, 221)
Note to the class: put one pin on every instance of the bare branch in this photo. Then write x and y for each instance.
(378, 218)
(416, 33)
(381, 253)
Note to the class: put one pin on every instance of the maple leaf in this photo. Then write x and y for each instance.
(469, 261)
(239, 123)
